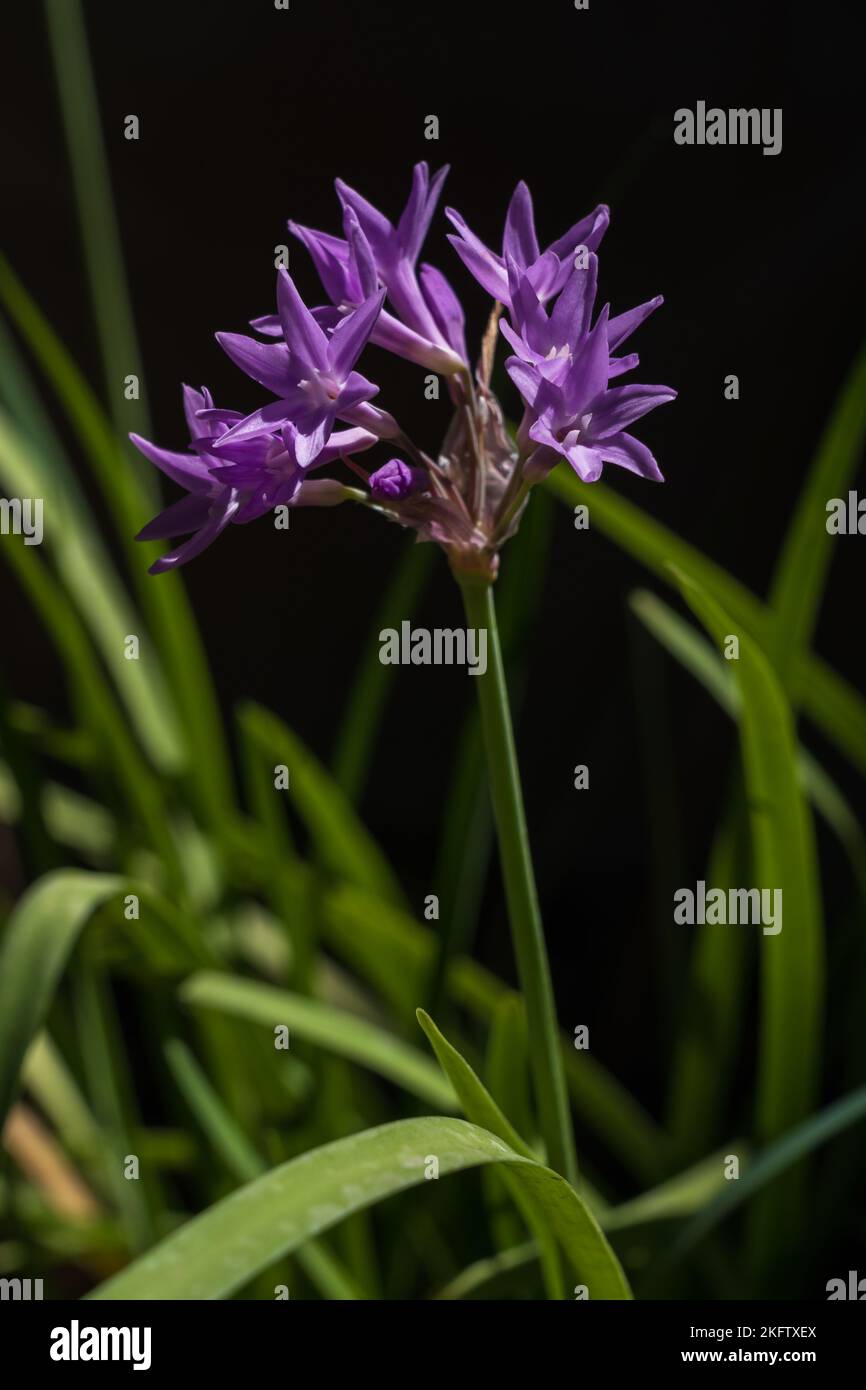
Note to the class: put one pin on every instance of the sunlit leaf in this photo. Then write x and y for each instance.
(219, 1251)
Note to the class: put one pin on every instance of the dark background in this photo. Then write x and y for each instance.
(247, 115)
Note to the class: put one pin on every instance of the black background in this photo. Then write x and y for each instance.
(247, 115)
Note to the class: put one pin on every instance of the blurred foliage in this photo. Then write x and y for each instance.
(176, 920)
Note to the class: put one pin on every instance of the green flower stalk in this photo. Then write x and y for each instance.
(520, 890)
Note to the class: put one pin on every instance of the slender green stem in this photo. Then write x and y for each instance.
(520, 891)
(102, 245)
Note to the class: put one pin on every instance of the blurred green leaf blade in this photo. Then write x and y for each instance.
(220, 1250)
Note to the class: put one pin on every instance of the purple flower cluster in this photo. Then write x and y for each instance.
(469, 498)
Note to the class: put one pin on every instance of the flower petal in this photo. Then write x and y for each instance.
(622, 405)
(630, 453)
(303, 336)
(587, 232)
(186, 515)
(445, 308)
(519, 242)
(221, 514)
(186, 469)
(587, 376)
(625, 324)
(193, 402)
(330, 256)
(526, 378)
(572, 312)
(350, 336)
(377, 229)
(268, 324)
(266, 420)
(619, 365)
(361, 252)
(267, 363)
(486, 268)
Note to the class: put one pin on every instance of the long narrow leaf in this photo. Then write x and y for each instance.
(803, 566)
(341, 841)
(242, 1160)
(774, 1161)
(100, 233)
(366, 700)
(833, 704)
(71, 539)
(331, 1029)
(696, 654)
(792, 961)
(393, 952)
(479, 1106)
(35, 947)
(163, 601)
(222, 1249)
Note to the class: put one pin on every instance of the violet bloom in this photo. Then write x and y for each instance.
(468, 496)
(209, 506)
(562, 370)
(429, 307)
(547, 272)
(311, 372)
(253, 478)
(348, 271)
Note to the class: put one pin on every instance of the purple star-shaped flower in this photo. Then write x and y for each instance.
(311, 373)
(562, 372)
(428, 307)
(253, 477)
(547, 272)
(348, 271)
(469, 496)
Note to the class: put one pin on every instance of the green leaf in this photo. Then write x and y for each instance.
(94, 698)
(393, 952)
(32, 465)
(506, 1066)
(35, 947)
(100, 233)
(225, 1136)
(803, 567)
(482, 1272)
(77, 822)
(367, 698)
(680, 1196)
(704, 662)
(480, 1107)
(775, 1160)
(792, 962)
(109, 1086)
(244, 1163)
(163, 602)
(46, 1076)
(825, 696)
(715, 996)
(476, 1101)
(219, 1251)
(341, 841)
(331, 1029)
